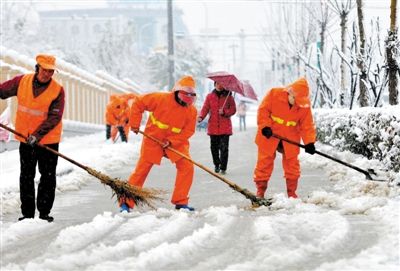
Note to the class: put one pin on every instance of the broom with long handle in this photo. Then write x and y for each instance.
(141, 196)
(256, 201)
(368, 172)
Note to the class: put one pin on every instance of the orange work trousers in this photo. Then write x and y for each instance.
(183, 180)
(265, 166)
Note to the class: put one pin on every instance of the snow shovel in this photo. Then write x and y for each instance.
(367, 172)
(141, 196)
(255, 201)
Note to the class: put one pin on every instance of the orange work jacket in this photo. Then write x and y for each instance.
(117, 111)
(32, 111)
(167, 120)
(294, 123)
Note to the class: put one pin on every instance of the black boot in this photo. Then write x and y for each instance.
(108, 131)
(25, 217)
(47, 217)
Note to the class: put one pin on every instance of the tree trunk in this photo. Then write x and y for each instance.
(392, 64)
(343, 30)
(363, 98)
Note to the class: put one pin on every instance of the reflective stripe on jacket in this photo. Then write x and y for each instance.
(168, 120)
(163, 126)
(283, 122)
(32, 111)
(294, 123)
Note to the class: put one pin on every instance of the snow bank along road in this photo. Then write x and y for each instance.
(340, 222)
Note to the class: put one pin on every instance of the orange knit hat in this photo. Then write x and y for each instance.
(301, 91)
(186, 89)
(47, 62)
(186, 83)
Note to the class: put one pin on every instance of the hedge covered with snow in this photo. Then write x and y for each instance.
(371, 132)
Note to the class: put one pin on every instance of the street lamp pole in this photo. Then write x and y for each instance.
(205, 25)
(171, 64)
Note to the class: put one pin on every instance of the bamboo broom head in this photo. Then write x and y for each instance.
(141, 196)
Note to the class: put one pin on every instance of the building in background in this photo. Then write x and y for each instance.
(143, 23)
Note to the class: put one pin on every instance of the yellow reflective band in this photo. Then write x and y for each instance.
(163, 126)
(276, 119)
(282, 121)
(176, 130)
(157, 123)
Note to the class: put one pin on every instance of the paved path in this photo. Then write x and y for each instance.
(73, 209)
(242, 159)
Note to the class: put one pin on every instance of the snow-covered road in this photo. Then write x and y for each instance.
(341, 222)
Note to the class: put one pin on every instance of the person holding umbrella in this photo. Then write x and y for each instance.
(221, 107)
(283, 112)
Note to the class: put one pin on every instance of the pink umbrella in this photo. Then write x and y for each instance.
(249, 91)
(228, 80)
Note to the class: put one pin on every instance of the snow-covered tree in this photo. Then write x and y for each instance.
(343, 10)
(188, 60)
(20, 27)
(363, 97)
(392, 55)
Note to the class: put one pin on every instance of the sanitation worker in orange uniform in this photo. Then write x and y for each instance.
(117, 117)
(39, 118)
(285, 112)
(172, 120)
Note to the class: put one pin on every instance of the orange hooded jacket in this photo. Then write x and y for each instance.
(117, 111)
(294, 123)
(167, 121)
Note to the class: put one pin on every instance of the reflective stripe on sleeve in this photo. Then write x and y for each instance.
(283, 122)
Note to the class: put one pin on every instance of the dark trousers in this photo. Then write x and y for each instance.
(108, 131)
(47, 162)
(220, 150)
(122, 133)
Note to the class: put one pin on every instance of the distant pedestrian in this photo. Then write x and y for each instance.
(221, 107)
(39, 118)
(285, 112)
(242, 108)
(172, 120)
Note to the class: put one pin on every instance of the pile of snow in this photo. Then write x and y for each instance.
(371, 132)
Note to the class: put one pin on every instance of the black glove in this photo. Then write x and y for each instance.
(310, 148)
(31, 140)
(267, 132)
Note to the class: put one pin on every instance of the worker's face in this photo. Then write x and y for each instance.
(44, 75)
(219, 87)
(291, 96)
